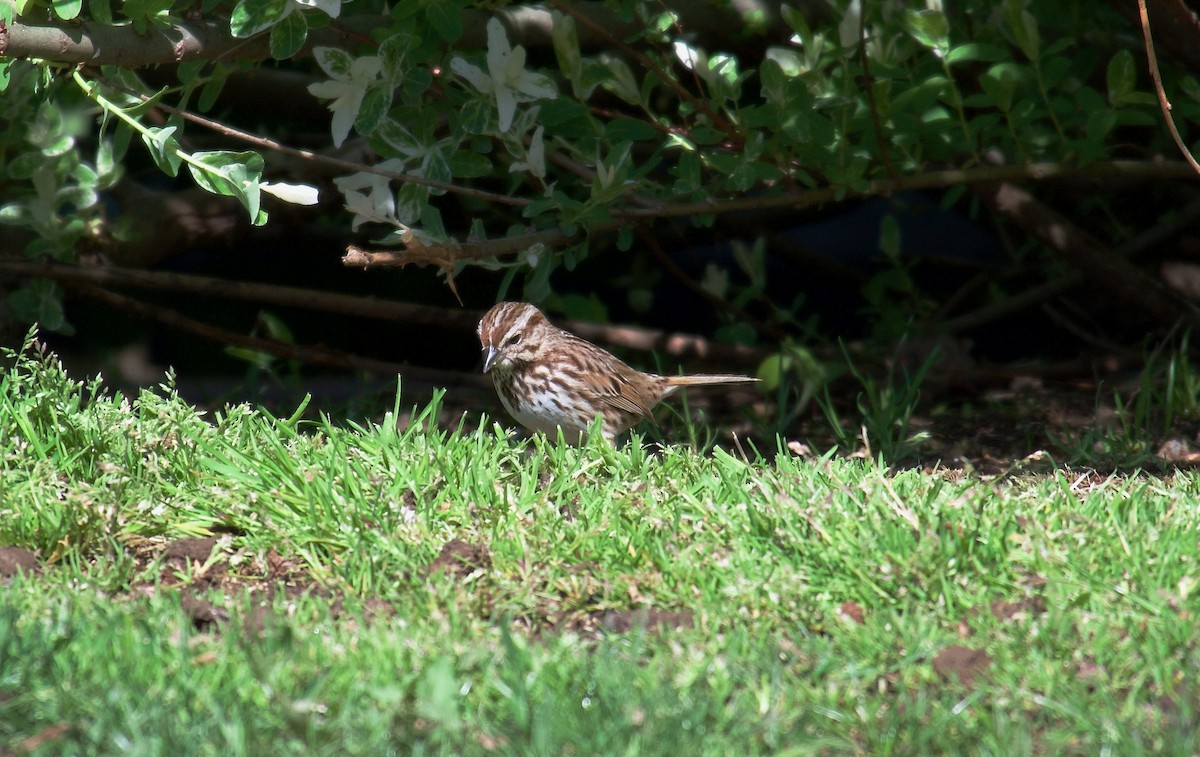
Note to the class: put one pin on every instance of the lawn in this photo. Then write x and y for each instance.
(239, 583)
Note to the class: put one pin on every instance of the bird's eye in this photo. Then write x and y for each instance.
(513, 339)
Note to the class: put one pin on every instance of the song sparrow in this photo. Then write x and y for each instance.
(549, 379)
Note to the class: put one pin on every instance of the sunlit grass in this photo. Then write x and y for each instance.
(1079, 589)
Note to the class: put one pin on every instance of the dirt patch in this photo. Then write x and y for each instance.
(14, 560)
(203, 613)
(217, 598)
(597, 623)
(196, 550)
(961, 664)
(460, 559)
(853, 612)
(1005, 611)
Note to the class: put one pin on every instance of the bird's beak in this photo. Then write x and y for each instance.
(489, 358)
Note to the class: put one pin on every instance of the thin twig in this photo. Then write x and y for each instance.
(1085, 252)
(1163, 102)
(1017, 302)
(353, 305)
(311, 355)
(1127, 169)
(440, 254)
(677, 345)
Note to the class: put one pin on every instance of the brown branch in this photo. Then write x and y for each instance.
(442, 255)
(681, 346)
(1085, 253)
(311, 355)
(97, 44)
(1117, 169)
(1151, 237)
(269, 294)
(1163, 102)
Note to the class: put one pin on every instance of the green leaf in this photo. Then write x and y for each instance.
(144, 12)
(752, 173)
(67, 9)
(250, 17)
(233, 174)
(629, 129)
(163, 147)
(469, 165)
(976, 51)
(80, 197)
(437, 169)
(15, 214)
(1001, 82)
(287, 36)
(475, 115)
(625, 238)
(398, 138)
(101, 11)
(537, 284)
(889, 236)
(431, 220)
(1099, 124)
(40, 301)
(59, 146)
(796, 20)
(687, 169)
(1121, 77)
(1023, 28)
(416, 81)
(445, 16)
(214, 85)
(411, 200)
(393, 51)
(374, 108)
(23, 166)
(930, 28)
(334, 62)
(565, 117)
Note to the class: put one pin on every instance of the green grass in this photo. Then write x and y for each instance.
(368, 650)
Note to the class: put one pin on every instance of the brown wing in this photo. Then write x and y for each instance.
(619, 392)
(611, 381)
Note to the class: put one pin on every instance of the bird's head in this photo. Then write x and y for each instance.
(511, 334)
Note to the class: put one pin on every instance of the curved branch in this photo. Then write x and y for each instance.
(1119, 169)
(683, 346)
(312, 355)
(102, 44)
(1084, 252)
(1163, 102)
(443, 255)
(453, 252)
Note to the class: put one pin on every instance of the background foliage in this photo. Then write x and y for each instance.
(620, 161)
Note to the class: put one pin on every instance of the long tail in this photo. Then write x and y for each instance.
(705, 379)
